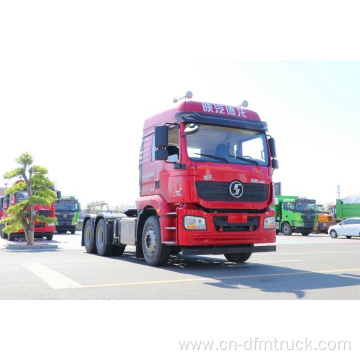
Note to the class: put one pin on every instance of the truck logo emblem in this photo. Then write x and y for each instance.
(236, 189)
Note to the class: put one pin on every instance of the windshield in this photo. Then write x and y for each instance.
(305, 205)
(222, 144)
(21, 196)
(67, 206)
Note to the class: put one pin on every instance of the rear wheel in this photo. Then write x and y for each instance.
(102, 247)
(90, 247)
(333, 234)
(155, 253)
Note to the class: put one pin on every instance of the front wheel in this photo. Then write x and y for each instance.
(333, 234)
(155, 253)
(305, 233)
(286, 229)
(238, 258)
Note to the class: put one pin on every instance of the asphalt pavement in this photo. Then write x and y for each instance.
(312, 267)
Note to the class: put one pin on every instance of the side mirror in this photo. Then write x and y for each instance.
(161, 136)
(161, 154)
(58, 194)
(272, 147)
(275, 163)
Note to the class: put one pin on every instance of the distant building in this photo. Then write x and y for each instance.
(2, 191)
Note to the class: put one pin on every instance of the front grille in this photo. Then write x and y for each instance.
(46, 213)
(219, 191)
(65, 222)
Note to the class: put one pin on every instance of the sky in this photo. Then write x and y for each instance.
(79, 78)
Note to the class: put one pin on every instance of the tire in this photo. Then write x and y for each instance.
(72, 232)
(90, 247)
(305, 233)
(286, 229)
(49, 237)
(118, 250)
(238, 258)
(3, 234)
(348, 237)
(333, 234)
(155, 253)
(102, 248)
(11, 236)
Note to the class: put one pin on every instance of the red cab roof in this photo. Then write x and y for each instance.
(200, 107)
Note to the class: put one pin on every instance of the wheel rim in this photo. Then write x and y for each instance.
(100, 237)
(87, 236)
(150, 241)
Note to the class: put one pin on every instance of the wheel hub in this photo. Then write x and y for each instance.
(150, 241)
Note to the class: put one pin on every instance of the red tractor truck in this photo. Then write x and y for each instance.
(205, 188)
(41, 229)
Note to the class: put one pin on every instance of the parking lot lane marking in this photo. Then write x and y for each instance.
(51, 277)
(155, 282)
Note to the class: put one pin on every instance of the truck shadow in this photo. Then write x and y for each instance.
(220, 273)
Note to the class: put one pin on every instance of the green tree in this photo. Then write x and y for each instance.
(37, 186)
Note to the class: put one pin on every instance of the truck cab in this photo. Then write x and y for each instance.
(205, 185)
(67, 210)
(42, 229)
(295, 214)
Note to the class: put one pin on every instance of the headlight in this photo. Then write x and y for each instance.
(269, 223)
(52, 224)
(194, 223)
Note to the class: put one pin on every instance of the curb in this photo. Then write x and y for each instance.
(24, 247)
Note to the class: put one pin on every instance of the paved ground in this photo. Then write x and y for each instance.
(314, 267)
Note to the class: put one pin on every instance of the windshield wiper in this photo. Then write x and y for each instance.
(212, 157)
(251, 161)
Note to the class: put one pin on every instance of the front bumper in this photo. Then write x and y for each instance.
(225, 229)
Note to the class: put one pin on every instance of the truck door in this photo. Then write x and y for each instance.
(171, 179)
(147, 167)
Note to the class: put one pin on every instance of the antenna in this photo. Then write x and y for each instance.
(188, 95)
